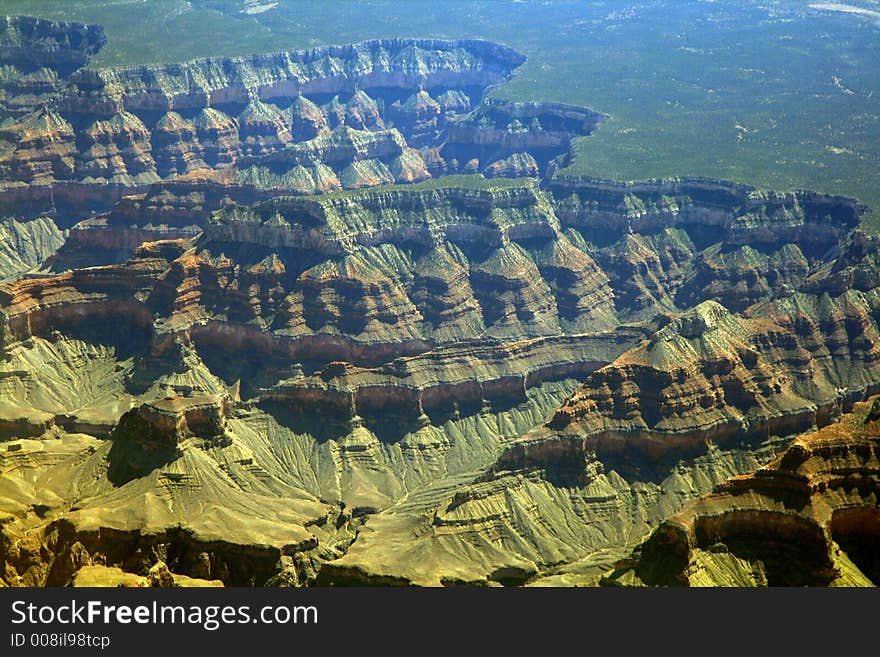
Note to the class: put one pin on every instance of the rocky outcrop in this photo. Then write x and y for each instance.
(440, 235)
(605, 211)
(263, 128)
(809, 517)
(106, 240)
(322, 279)
(443, 383)
(398, 271)
(157, 577)
(503, 136)
(314, 356)
(116, 150)
(343, 158)
(408, 110)
(671, 244)
(32, 306)
(165, 423)
(173, 512)
(711, 394)
(138, 125)
(282, 345)
(422, 117)
(183, 204)
(708, 375)
(39, 150)
(37, 57)
(389, 63)
(65, 555)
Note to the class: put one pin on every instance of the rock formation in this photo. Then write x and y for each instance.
(708, 395)
(500, 134)
(134, 126)
(809, 517)
(273, 124)
(417, 331)
(37, 57)
(332, 317)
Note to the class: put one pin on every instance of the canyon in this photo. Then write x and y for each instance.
(337, 317)
(808, 518)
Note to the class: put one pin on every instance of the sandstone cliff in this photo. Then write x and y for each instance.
(394, 351)
(709, 395)
(306, 122)
(809, 517)
(338, 301)
(137, 125)
(37, 57)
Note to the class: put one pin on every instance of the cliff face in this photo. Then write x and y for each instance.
(388, 63)
(443, 383)
(319, 263)
(306, 122)
(134, 126)
(754, 217)
(672, 244)
(498, 135)
(709, 395)
(418, 265)
(294, 123)
(710, 375)
(376, 347)
(133, 517)
(328, 317)
(193, 137)
(809, 517)
(38, 57)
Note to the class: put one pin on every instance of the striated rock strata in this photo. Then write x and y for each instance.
(330, 317)
(134, 126)
(809, 517)
(37, 57)
(709, 395)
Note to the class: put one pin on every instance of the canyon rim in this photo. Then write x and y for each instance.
(348, 315)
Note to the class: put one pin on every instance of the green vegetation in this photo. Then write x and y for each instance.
(776, 95)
